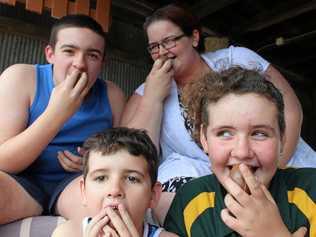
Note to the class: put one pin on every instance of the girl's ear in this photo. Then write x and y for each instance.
(83, 191)
(49, 53)
(203, 139)
(155, 195)
(195, 38)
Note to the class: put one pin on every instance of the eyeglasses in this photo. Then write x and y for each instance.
(167, 43)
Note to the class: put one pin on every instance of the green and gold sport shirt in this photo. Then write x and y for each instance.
(195, 211)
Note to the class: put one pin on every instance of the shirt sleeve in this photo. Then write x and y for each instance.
(174, 220)
(248, 59)
(140, 90)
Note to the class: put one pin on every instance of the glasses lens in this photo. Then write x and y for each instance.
(169, 43)
(153, 48)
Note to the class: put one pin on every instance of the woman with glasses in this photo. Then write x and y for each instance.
(175, 45)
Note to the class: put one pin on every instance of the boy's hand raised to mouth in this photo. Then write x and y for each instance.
(68, 95)
(253, 214)
(121, 224)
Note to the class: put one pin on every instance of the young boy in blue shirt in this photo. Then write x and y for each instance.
(119, 184)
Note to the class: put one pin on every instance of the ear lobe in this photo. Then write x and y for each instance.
(83, 192)
(49, 53)
(196, 38)
(203, 139)
(155, 195)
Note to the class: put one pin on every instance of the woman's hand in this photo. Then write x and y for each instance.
(158, 82)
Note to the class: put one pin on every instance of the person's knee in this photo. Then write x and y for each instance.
(15, 202)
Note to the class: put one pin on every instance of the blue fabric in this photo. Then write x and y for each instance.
(93, 116)
(152, 229)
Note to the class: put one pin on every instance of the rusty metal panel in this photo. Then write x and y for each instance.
(15, 48)
(125, 73)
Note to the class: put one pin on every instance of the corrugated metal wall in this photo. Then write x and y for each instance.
(16, 48)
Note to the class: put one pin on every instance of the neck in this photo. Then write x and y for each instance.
(197, 69)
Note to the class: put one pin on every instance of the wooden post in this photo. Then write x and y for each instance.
(59, 8)
(9, 2)
(103, 13)
(34, 5)
(82, 7)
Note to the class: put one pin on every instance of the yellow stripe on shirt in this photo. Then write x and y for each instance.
(306, 205)
(195, 207)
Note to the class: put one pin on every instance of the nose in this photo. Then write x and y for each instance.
(114, 189)
(242, 149)
(79, 62)
(162, 50)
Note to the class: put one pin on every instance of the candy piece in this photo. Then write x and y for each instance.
(236, 175)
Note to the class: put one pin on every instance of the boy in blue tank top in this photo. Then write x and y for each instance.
(119, 184)
(50, 110)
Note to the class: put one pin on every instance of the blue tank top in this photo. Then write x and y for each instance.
(93, 116)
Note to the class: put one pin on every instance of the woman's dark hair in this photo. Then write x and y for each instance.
(179, 16)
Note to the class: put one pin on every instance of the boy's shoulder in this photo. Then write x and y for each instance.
(202, 187)
(165, 233)
(297, 178)
(204, 183)
(67, 229)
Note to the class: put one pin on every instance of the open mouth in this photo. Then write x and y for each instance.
(114, 207)
(253, 169)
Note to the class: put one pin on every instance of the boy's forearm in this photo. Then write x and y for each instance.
(18, 152)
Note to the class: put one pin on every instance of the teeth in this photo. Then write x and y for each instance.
(115, 208)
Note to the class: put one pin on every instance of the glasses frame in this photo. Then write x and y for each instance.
(161, 43)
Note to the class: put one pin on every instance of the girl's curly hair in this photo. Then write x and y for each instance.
(198, 94)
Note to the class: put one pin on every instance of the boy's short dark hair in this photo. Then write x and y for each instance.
(76, 20)
(134, 141)
(198, 94)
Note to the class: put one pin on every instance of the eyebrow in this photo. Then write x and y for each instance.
(265, 127)
(124, 171)
(76, 47)
(260, 126)
(156, 42)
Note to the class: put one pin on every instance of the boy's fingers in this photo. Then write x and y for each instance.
(72, 78)
(65, 163)
(267, 194)
(128, 221)
(117, 222)
(228, 219)
(109, 232)
(251, 181)
(81, 87)
(96, 224)
(301, 232)
(74, 158)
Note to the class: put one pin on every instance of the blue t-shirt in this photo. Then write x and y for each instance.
(93, 116)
